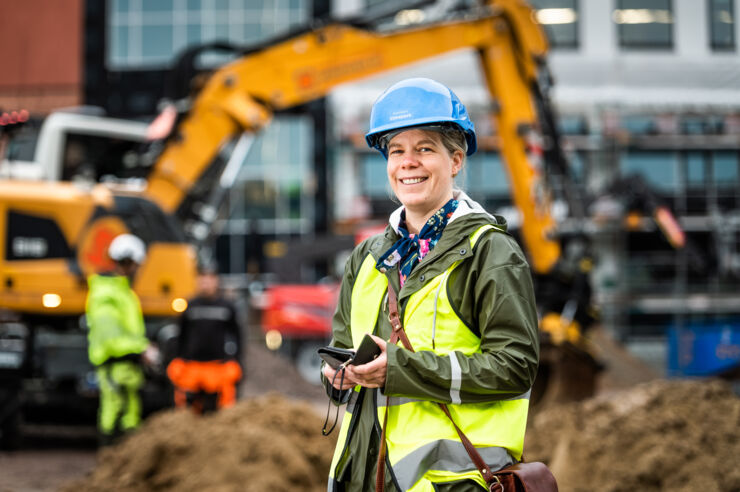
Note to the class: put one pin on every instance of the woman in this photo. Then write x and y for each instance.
(466, 302)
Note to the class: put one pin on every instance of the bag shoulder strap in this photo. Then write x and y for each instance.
(400, 334)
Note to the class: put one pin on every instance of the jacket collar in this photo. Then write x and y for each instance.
(453, 245)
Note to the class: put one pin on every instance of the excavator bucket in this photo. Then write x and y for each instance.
(566, 373)
(571, 371)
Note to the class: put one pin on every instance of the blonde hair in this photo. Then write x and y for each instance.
(454, 141)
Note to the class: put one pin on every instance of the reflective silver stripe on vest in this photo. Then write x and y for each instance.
(455, 378)
(445, 455)
(395, 401)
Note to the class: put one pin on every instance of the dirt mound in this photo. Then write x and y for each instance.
(657, 436)
(622, 369)
(267, 371)
(677, 436)
(263, 443)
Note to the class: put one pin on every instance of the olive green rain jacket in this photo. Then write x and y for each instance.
(114, 318)
(490, 291)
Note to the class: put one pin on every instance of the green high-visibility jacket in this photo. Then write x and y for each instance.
(468, 309)
(116, 325)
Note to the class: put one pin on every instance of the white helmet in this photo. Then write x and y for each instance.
(127, 246)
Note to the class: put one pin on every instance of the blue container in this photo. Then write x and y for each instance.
(703, 349)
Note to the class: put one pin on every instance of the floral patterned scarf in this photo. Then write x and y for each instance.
(411, 248)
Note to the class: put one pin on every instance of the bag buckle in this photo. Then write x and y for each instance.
(394, 319)
(496, 485)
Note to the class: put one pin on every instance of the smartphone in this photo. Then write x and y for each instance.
(335, 356)
(366, 352)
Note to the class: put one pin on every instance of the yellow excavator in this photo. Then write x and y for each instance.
(55, 233)
(511, 47)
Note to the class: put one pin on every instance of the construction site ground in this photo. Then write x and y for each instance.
(639, 433)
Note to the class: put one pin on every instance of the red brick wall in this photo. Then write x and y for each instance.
(41, 54)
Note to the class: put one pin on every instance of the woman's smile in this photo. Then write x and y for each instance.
(412, 181)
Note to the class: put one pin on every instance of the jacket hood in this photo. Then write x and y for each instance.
(466, 208)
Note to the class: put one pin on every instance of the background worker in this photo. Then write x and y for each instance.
(117, 342)
(465, 299)
(207, 367)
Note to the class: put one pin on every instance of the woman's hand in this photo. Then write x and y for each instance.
(372, 374)
(348, 382)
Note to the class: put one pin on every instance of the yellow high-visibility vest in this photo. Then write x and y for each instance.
(422, 445)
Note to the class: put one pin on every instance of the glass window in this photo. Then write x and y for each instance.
(694, 169)
(157, 42)
(121, 5)
(92, 157)
(194, 34)
(222, 31)
(638, 124)
(258, 199)
(269, 149)
(120, 47)
(722, 24)
(573, 125)
(657, 167)
(374, 176)
(577, 166)
(276, 180)
(152, 32)
(560, 19)
(485, 176)
(724, 167)
(644, 23)
(157, 6)
(701, 124)
(22, 144)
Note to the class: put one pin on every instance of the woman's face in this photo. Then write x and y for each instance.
(421, 170)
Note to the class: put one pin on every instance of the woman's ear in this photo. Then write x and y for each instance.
(457, 162)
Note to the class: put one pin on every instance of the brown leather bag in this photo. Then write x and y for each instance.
(525, 477)
(520, 477)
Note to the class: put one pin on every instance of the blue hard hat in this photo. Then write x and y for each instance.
(417, 102)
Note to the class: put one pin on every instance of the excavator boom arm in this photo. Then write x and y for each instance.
(242, 96)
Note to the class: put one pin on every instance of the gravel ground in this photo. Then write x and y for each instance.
(45, 463)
